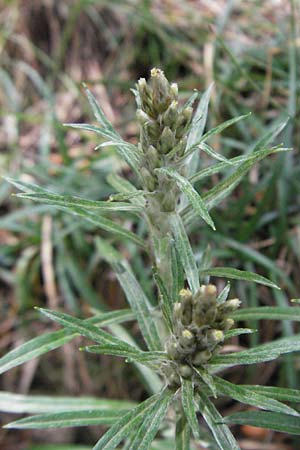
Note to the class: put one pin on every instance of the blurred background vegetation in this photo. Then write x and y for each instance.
(251, 51)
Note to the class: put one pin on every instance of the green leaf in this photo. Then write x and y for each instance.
(146, 358)
(197, 127)
(187, 398)
(261, 353)
(166, 302)
(278, 393)
(134, 294)
(185, 252)
(194, 198)
(212, 417)
(49, 341)
(57, 447)
(249, 397)
(211, 152)
(207, 379)
(238, 331)
(126, 151)
(125, 187)
(126, 425)
(212, 132)
(86, 329)
(98, 112)
(37, 404)
(182, 434)
(68, 201)
(235, 274)
(273, 131)
(268, 312)
(73, 208)
(153, 420)
(222, 189)
(263, 419)
(236, 161)
(68, 419)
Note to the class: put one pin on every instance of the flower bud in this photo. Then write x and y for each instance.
(185, 371)
(161, 90)
(227, 324)
(187, 338)
(143, 117)
(201, 357)
(149, 180)
(172, 349)
(174, 91)
(169, 202)
(187, 306)
(167, 140)
(169, 118)
(214, 337)
(152, 157)
(230, 306)
(177, 311)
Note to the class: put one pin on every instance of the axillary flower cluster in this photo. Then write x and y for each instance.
(199, 323)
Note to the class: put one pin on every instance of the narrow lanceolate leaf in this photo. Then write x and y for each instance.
(274, 130)
(182, 434)
(238, 331)
(134, 293)
(166, 302)
(105, 224)
(139, 304)
(68, 419)
(69, 201)
(146, 358)
(98, 111)
(125, 150)
(278, 393)
(269, 313)
(49, 341)
(194, 198)
(263, 419)
(213, 418)
(212, 132)
(86, 329)
(197, 128)
(223, 189)
(248, 396)
(185, 252)
(235, 274)
(188, 404)
(125, 187)
(126, 425)
(261, 353)
(153, 420)
(236, 161)
(37, 404)
(211, 152)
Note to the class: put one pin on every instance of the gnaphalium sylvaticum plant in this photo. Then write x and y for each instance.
(186, 329)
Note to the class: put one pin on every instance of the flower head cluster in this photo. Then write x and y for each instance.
(163, 134)
(199, 323)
